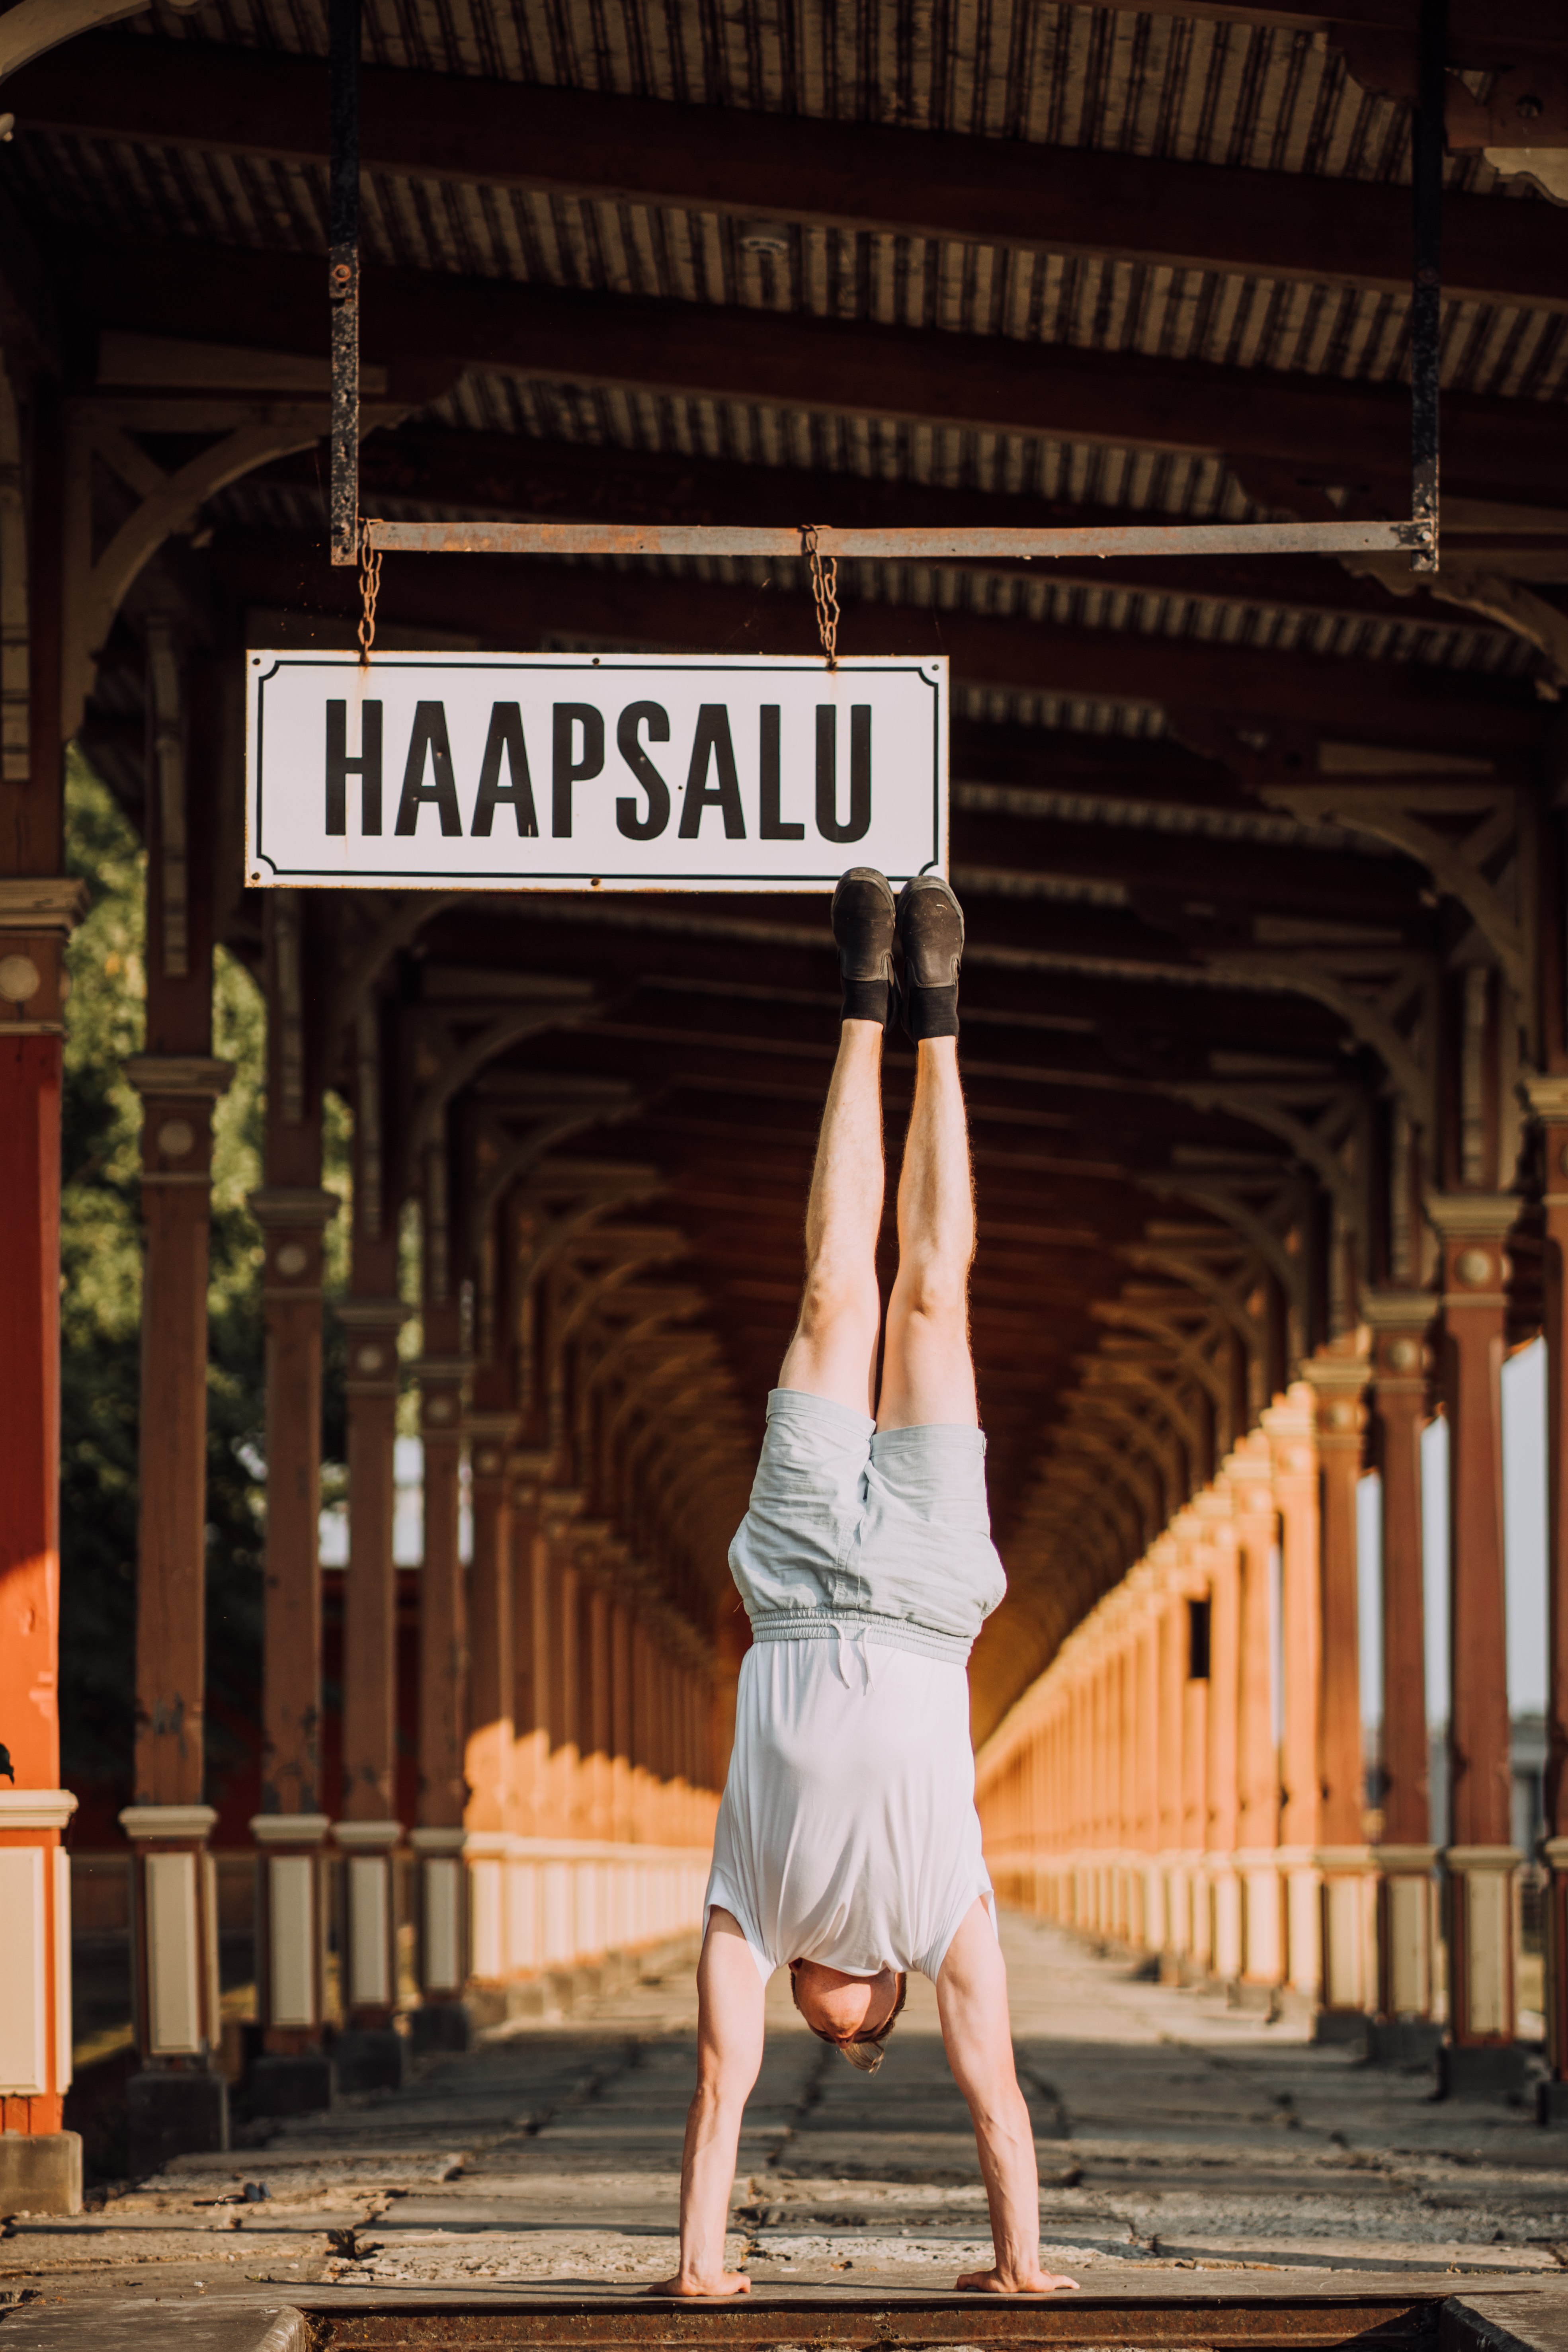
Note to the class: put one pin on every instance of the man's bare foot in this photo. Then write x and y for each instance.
(1008, 2282)
(727, 2283)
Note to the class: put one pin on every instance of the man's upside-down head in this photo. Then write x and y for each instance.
(855, 2013)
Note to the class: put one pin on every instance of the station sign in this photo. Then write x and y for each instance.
(612, 772)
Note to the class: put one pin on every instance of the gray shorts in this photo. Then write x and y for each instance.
(852, 1526)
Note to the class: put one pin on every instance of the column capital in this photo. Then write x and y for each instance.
(489, 1434)
(1401, 1323)
(1546, 1092)
(289, 1829)
(156, 1823)
(280, 1208)
(372, 1314)
(438, 1841)
(367, 1837)
(36, 1808)
(39, 903)
(193, 1078)
(1463, 1216)
(373, 1325)
(442, 1379)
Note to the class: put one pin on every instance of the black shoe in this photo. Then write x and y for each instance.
(931, 932)
(863, 918)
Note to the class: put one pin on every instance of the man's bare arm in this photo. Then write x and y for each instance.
(971, 2001)
(729, 2058)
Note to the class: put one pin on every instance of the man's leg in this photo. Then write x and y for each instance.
(834, 1352)
(928, 1374)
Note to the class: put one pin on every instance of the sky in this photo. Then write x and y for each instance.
(1524, 1542)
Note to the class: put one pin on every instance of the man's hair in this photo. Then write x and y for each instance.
(866, 2052)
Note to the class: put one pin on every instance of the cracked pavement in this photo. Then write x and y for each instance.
(1174, 2136)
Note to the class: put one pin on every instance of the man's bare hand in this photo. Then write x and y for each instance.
(686, 2283)
(1038, 2282)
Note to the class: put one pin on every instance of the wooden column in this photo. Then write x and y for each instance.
(438, 1839)
(1338, 1382)
(38, 907)
(1548, 1101)
(1401, 1325)
(369, 2054)
(1172, 1669)
(1248, 1473)
(1214, 1514)
(1480, 1860)
(1290, 1425)
(491, 1729)
(1147, 1729)
(622, 1767)
(600, 1733)
(489, 1748)
(176, 2102)
(530, 1636)
(292, 1210)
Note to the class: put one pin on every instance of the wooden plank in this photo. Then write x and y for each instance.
(856, 177)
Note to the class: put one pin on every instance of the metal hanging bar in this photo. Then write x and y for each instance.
(894, 546)
(343, 275)
(353, 541)
(1426, 143)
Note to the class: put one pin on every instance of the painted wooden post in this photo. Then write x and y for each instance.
(1480, 1859)
(1548, 1101)
(41, 2163)
(177, 2102)
(1291, 1426)
(1404, 2029)
(1344, 1858)
(293, 2074)
(1247, 1473)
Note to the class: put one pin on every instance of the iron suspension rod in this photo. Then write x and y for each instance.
(1427, 289)
(343, 275)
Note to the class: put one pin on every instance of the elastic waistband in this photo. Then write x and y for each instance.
(815, 1625)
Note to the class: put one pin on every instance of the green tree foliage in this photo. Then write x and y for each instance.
(100, 1303)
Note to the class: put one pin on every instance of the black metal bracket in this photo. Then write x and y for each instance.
(343, 275)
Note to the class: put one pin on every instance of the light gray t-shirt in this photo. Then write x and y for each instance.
(848, 1833)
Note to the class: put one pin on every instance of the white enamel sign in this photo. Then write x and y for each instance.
(624, 772)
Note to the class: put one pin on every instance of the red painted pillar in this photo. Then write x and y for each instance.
(292, 1210)
(41, 2169)
(1548, 1101)
(1401, 1325)
(1480, 1859)
(178, 2102)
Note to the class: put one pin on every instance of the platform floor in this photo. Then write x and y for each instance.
(1180, 2144)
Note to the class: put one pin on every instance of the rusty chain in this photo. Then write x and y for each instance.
(369, 589)
(825, 593)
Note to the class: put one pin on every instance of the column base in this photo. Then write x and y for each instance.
(40, 2172)
(1403, 2041)
(173, 2114)
(290, 2083)
(1552, 2102)
(370, 2058)
(1480, 2070)
(438, 2025)
(1338, 2026)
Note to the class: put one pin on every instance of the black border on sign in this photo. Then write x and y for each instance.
(359, 878)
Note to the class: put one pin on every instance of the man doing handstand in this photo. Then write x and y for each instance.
(847, 1846)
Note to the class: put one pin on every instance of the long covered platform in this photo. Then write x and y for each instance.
(1265, 1001)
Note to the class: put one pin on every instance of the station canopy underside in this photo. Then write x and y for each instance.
(650, 261)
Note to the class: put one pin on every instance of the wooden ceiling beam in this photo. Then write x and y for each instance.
(512, 601)
(853, 177)
(1328, 429)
